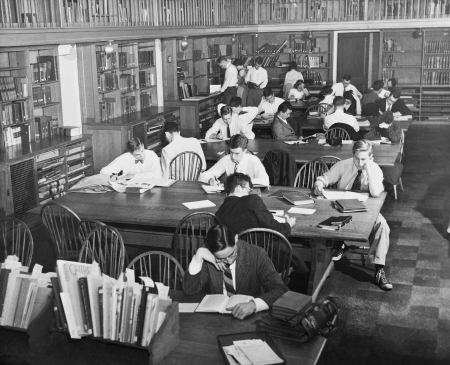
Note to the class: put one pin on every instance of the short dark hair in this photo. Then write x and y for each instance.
(171, 127)
(298, 82)
(338, 101)
(387, 117)
(238, 140)
(267, 92)
(221, 59)
(225, 110)
(219, 238)
(326, 90)
(238, 62)
(235, 101)
(133, 144)
(377, 84)
(292, 66)
(235, 180)
(259, 60)
(284, 107)
(395, 93)
(393, 82)
(347, 77)
(348, 94)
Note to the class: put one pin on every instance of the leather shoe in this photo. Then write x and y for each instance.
(381, 280)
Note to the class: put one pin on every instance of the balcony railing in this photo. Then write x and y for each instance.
(126, 13)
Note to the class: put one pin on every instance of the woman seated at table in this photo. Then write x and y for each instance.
(299, 91)
(292, 76)
(136, 162)
(283, 126)
(327, 95)
(386, 128)
(229, 266)
(349, 103)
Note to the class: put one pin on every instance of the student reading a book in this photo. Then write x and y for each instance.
(242, 88)
(230, 266)
(376, 93)
(299, 91)
(229, 86)
(232, 122)
(361, 173)
(256, 79)
(339, 116)
(292, 76)
(386, 128)
(269, 103)
(136, 162)
(237, 161)
(350, 103)
(394, 104)
(177, 145)
(283, 126)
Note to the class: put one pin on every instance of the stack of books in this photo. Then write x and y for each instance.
(290, 305)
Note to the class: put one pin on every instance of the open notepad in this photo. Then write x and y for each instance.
(335, 195)
(217, 303)
(199, 204)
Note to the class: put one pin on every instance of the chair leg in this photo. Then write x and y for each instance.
(395, 191)
(401, 183)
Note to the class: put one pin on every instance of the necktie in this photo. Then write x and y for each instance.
(228, 132)
(357, 183)
(137, 161)
(236, 166)
(228, 281)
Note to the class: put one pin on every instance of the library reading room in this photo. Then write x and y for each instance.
(213, 182)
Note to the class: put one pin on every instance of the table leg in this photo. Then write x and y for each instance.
(321, 265)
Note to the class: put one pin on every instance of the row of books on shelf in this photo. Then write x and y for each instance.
(388, 74)
(146, 59)
(436, 78)
(107, 109)
(16, 135)
(311, 61)
(46, 69)
(128, 104)
(12, 88)
(127, 82)
(390, 44)
(269, 61)
(387, 61)
(52, 185)
(437, 62)
(146, 78)
(126, 60)
(46, 126)
(217, 50)
(76, 12)
(312, 77)
(13, 113)
(106, 61)
(185, 90)
(272, 48)
(146, 100)
(42, 94)
(437, 46)
(53, 197)
(305, 47)
(198, 54)
(107, 81)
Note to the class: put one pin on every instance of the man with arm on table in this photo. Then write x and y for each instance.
(229, 87)
(269, 103)
(394, 104)
(361, 173)
(136, 162)
(237, 161)
(230, 266)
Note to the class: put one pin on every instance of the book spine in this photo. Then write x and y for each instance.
(86, 310)
(141, 315)
(56, 293)
(100, 308)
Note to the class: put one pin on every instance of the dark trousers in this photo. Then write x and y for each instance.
(229, 93)
(254, 97)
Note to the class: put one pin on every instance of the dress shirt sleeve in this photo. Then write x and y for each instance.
(260, 304)
(247, 77)
(261, 176)
(230, 75)
(375, 178)
(356, 92)
(200, 152)
(251, 113)
(334, 88)
(117, 165)
(165, 163)
(358, 106)
(333, 175)
(195, 280)
(355, 124)
(213, 130)
(154, 166)
(327, 122)
(261, 106)
(195, 267)
(265, 79)
(216, 171)
(292, 93)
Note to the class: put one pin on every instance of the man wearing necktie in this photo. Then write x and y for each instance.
(228, 265)
(136, 162)
(361, 173)
(393, 103)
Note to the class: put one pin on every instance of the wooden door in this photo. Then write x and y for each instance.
(353, 58)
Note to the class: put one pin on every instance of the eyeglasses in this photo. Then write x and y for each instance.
(228, 258)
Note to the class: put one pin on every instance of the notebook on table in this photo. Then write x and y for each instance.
(350, 205)
(335, 223)
(298, 198)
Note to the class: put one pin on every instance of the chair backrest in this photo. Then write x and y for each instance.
(330, 161)
(320, 109)
(62, 226)
(402, 145)
(86, 226)
(275, 244)
(160, 266)
(16, 239)
(337, 132)
(309, 172)
(105, 245)
(190, 234)
(185, 166)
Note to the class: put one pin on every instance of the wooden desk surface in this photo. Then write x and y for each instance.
(162, 207)
(385, 155)
(199, 331)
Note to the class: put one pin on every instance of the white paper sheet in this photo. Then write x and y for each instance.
(278, 212)
(187, 307)
(199, 204)
(347, 141)
(258, 352)
(209, 189)
(334, 195)
(301, 211)
(295, 142)
(211, 140)
(279, 219)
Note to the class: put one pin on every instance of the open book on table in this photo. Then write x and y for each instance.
(217, 303)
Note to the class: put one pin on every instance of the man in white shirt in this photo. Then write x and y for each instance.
(229, 87)
(232, 122)
(256, 80)
(339, 116)
(239, 160)
(177, 145)
(340, 87)
(292, 76)
(269, 103)
(136, 162)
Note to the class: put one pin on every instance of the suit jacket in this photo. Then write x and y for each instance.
(281, 167)
(398, 106)
(241, 213)
(255, 276)
(282, 130)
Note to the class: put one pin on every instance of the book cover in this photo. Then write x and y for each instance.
(298, 198)
(350, 205)
(218, 303)
(40, 300)
(56, 288)
(12, 292)
(85, 309)
(94, 283)
(291, 302)
(334, 223)
(22, 297)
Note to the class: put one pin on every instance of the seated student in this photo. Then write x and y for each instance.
(340, 87)
(231, 123)
(361, 173)
(377, 93)
(327, 94)
(237, 161)
(177, 145)
(349, 103)
(339, 116)
(292, 76)
(231, 266)
(282, 128)
(241, 210)
(269, 102)
(299, 91)
(136, 162)
(386, 128)
(394, 104)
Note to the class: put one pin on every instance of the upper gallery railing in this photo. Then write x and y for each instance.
(126, 13)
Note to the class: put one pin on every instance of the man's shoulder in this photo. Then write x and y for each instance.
(150, 153)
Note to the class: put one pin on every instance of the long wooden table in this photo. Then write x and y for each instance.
(148, 220)
(384, 155)
(199, 331)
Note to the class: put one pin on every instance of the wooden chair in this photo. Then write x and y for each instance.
(320, 109)
(190, 235)
(62, 225)
(337, 133)
(86, 226)
(16, 239)
(185, 166)
(275, 244)
(309, 172)
(105, 245)
(330, 161)
(160, 267)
